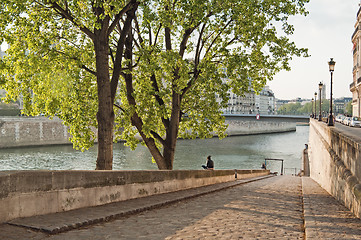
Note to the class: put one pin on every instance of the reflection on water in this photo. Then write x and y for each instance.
(241, 152)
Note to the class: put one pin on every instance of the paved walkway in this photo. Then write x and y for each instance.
(271, 208)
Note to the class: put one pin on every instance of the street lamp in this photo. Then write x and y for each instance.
(331, 65)
(312, 108)
(315, 116)
(320, 85)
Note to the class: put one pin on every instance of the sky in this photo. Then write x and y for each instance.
(326, 31)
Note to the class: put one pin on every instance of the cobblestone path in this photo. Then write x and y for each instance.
(266, 209)
(326, 218)
(271, 208)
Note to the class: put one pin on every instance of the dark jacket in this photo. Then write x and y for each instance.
(210, 163)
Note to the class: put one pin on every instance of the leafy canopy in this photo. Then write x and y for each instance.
(194, 49)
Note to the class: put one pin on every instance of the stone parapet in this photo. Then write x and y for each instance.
(31, 193)
(335, 163)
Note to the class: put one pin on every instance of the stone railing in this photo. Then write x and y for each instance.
(335, 163)
(30, 193)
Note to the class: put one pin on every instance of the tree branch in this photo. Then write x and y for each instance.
(199, 49)
(138, 30)
(168, 41)
(156, 36)
(111, 54)
(67, 15)
(119, 52)
(214, 40)
(116, 105)
(120, 14)
(159, 99)
(159, 138)
(89, 70)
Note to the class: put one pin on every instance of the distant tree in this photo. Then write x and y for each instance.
(325, 107)
(349, 108)
(154, 67)
(306, 109)
(290, 108)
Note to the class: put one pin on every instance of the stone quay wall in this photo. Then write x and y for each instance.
(236, 127)
(31, 193)
(335, 163)
(27, 131)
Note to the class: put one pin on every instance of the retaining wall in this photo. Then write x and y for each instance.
(30, 193)
(335, 163)
(258, 127)
(27, 131)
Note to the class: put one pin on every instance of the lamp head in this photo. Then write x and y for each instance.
(320, 85)
(331, 65)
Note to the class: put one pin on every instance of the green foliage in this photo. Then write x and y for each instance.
(184, 54)
(230, 45)
(349, 108)
(306, 109)
(290, 108)
(44, 64)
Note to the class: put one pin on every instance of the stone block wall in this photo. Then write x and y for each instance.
(30, 193)
(335, 163)
(27, 131)
(20, 131)
(236, 127)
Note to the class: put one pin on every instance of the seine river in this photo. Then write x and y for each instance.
(238, 152)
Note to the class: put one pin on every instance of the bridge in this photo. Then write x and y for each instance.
(269, 118)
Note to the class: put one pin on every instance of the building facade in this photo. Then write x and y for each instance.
(355, 86)
(339, 105)
(251, 103)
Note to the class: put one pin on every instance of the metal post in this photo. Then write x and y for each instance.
(275, 159)
(320, 115)
(315, 116)
(331, 65)
(330, 117)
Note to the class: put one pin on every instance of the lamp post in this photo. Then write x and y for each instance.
(315, 116)
(312, 108)
(331, 65)
(320, 85)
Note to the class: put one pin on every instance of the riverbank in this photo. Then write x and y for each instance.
(40, 131)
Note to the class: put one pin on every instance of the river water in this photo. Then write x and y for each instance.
(237, 152)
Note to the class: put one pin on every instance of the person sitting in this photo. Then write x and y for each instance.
(209, 165)
(264, 166)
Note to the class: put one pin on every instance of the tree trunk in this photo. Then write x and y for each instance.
(172, 132)
(105, 115)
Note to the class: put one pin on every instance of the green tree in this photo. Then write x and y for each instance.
(349, 108)
(173, 56)
(290, 108)
(59, 61)
(306, 109)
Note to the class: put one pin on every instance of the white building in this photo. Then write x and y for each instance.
(250, 102)
(355, 86)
